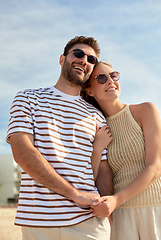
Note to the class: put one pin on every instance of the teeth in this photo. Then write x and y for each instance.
(79, 68)
(110, 89)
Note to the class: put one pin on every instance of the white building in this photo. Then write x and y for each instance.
(10, 176)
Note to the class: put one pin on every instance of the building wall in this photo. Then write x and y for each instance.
(9, 180)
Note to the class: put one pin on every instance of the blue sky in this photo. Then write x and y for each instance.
(34, 33)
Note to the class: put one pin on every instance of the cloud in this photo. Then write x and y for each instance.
(34, 33)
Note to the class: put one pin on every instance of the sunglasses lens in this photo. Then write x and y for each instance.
(115, 76)
(102, 78)
(79, 54)
(92, 59)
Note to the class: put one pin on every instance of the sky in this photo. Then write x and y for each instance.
(33, 34)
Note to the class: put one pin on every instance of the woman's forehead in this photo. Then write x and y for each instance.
(101, 68)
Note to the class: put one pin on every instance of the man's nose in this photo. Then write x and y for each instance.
(84, 59)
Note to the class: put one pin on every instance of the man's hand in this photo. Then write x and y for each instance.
(85, 199)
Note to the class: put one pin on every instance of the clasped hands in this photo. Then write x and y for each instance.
(103, 206)
(99, 206)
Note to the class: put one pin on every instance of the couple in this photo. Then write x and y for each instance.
(60, 141)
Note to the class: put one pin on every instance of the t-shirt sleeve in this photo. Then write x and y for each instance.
(20, 116)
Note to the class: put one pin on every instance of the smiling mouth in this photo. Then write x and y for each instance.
(110, 89)
(79, 68)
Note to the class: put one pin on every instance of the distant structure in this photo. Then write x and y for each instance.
(10, 178)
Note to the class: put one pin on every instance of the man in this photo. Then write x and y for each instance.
(51, 132)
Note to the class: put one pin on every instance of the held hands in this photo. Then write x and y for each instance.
(104, 206)
(100, 206)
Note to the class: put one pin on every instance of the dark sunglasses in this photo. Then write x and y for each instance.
(102, 78)
(80, 54)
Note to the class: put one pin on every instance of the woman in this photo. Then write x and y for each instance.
(134, 156)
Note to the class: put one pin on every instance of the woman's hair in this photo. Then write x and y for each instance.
(87, 84)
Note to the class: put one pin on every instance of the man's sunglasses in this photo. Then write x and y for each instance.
(102, 78)
(80, 54)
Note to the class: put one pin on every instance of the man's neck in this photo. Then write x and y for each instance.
(67, 87)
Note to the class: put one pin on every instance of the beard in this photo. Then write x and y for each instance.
(73, 77)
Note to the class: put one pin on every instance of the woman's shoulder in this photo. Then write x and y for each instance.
(143, 110)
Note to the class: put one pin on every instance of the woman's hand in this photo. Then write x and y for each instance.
(102, 138)
(104, 206)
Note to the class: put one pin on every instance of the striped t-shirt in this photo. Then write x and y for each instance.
(63, 127)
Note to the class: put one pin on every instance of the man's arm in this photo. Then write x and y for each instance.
(104, 183)
(104, 180)
(35, 165)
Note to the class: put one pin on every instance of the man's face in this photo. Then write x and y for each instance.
(78, 70)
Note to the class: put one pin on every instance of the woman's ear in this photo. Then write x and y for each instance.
(89, 92)
(61, 60)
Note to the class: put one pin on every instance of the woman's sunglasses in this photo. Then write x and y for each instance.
(80, 54)
(102, 78)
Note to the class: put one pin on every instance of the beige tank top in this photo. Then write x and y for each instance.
(126, 157)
